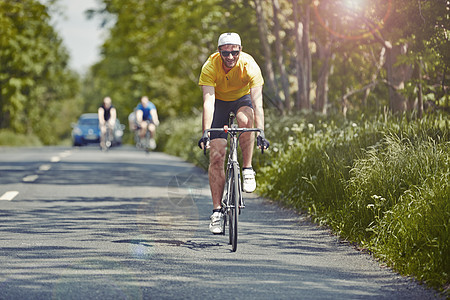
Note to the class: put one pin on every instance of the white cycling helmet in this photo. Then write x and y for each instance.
(229, 38)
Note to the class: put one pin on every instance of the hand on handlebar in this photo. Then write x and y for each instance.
(262, 143)
(203, 143)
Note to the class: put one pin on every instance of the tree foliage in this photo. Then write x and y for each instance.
(34, 78)
(348, 56)
(158, 47)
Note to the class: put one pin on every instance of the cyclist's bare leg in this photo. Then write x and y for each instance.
(152, 129)
(143, 129)
(244, 117)
(109, 132)
(102, 135)
(217, 153)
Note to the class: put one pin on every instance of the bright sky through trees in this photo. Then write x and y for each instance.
(82, 37)
(354, 5)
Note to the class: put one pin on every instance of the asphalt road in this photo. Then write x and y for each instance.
(84, 224)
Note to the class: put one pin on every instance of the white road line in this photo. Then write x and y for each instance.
(8, 196)
(30, 178)
(55, 159)
(65, 153)
(45, 167)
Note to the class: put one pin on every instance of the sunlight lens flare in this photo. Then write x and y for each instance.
(352, 19)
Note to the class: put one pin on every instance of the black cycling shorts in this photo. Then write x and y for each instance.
(222, 111)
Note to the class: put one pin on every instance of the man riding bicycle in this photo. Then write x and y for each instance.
(231, 80)
(147, 119)
(107, 116)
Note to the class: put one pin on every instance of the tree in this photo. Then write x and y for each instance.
(303, 56)
(34, 75)
(269, 69)
(280, 56)
(393, 25)
(329, 52)
(157, 48)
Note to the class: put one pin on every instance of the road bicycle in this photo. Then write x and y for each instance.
(108, 138)
(146, 142)
(232, 201)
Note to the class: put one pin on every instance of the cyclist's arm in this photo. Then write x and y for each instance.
(257, 102)
(154, 115)
(101, 117)
(112, 119)
(209, 99)
(139, 116)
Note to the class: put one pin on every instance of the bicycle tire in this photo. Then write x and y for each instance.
(147, 141)
(137, 139)
(229, 203)
(109, 138)
(234, 215)
(224, 223)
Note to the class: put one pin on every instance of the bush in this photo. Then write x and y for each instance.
(10, 138)
(179, 137)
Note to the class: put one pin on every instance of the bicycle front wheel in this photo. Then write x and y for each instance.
(109, 138)
(147, 141)
(234, 207)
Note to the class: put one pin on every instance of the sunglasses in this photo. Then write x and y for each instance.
(227, 53)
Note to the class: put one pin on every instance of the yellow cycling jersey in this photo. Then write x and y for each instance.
(245, 75)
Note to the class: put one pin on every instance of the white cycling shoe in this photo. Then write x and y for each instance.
(249, 185)
(152, 144)
(216, 224)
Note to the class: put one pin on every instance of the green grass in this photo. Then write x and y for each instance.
(381, 184)
(400, 198)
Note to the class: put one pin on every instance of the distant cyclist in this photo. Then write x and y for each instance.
(231, 80)
(147, 118)
(107, 116)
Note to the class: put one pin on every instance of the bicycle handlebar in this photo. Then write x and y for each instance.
(232, 130)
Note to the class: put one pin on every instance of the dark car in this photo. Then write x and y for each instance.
(86, 131)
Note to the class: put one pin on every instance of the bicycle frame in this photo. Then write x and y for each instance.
(233, 163)
(143, 142)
